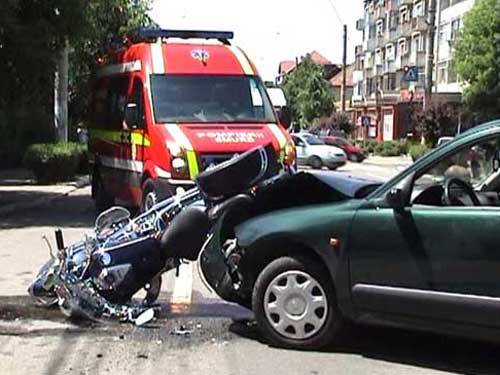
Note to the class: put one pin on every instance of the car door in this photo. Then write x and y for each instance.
(300, 147)
(427, 260)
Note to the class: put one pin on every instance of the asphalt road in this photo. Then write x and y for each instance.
(197, 333)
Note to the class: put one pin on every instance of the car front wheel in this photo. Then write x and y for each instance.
(294, 304)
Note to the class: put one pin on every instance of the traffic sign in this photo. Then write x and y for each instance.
(410, 73)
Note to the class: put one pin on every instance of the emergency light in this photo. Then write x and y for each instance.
(147, 34)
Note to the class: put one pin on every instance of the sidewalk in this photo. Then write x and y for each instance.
(18, 190)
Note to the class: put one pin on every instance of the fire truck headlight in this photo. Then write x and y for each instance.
(179, 165)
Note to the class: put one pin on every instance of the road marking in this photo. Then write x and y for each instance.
(183, 285)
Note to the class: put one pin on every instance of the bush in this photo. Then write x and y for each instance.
(387, 148)
(55, 162)
(418, 150)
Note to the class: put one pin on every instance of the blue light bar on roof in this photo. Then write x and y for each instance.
(223, 36)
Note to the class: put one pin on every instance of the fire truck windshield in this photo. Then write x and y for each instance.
(210, 99)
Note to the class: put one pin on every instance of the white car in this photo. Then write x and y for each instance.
(314, 152)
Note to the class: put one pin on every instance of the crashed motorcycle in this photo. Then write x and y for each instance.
(97, 277)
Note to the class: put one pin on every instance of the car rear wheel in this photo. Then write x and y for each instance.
(294, 304)
(315, 162)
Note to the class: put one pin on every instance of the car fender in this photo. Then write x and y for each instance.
(310, 230)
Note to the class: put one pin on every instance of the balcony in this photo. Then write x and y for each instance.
(358, 50)
(417, 58)
(405, 2)
(419, 24)
(406, 29)
(360, 24)
(390, 66)
(380, 41)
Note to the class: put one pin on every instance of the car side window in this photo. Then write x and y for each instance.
(472, 164)
(297, 141)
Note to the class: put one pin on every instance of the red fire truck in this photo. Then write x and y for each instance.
(169, 104)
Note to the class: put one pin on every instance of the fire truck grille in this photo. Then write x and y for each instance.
(208, 160)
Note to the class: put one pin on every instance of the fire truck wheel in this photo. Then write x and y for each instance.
(150, 195)
(102, 199)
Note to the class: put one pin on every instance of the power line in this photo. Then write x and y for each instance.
(339, 17)
(336, 11)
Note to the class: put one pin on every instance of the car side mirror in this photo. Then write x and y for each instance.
(285, 117)
(399, 198)
(395, 199)
(131, 115)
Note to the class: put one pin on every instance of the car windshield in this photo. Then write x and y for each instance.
(210, 98)
(312, 139)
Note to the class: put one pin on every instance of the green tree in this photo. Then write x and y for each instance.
(477, 59)
(308, 93)
(31, 33)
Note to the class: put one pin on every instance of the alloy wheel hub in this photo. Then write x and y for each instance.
(295, 305)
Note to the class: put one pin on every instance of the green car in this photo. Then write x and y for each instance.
(422, 251)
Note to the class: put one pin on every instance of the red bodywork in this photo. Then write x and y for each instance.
(127, 157)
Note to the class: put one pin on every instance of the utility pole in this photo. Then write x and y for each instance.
(61, 94)
(344, 73)
(438, 33)
(429, 66)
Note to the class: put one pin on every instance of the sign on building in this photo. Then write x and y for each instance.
(410, 73)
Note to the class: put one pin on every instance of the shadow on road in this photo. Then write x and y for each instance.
(74, 210)
(424, 350)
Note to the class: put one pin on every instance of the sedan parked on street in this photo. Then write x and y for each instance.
(312, 151)
(354, 152)
(422, 252)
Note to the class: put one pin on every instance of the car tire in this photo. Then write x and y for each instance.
(103, 200)
(294, 324)
(333, 167)
(315, 162)
(353, 158)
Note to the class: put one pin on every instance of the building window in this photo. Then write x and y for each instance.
(455, 27)
(404, 15)
(418, 9)
(380, 27)
(417, 42)
(402, 47)
(378, 57)
(390, 82)
(442, 72)
(390, 52)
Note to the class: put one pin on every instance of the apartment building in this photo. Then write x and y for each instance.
(395, 41)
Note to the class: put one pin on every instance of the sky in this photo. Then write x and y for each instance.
(270, 31)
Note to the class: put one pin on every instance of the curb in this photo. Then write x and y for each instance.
(79, 183)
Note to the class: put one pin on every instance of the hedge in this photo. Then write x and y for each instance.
(55, 162)
(418, 150)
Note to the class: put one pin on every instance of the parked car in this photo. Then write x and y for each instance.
(443, 140)
(419, 252)
(354, 152)
(312, 151)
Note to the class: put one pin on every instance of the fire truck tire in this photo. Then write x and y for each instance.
(103, 200)
(152, 193)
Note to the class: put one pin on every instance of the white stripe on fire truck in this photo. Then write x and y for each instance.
(128, 165)
(242, 59)
(157, 57)
(278, 134)
(132, 66)
(179, 137)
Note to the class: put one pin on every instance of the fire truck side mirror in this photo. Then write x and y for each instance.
(131, 115)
